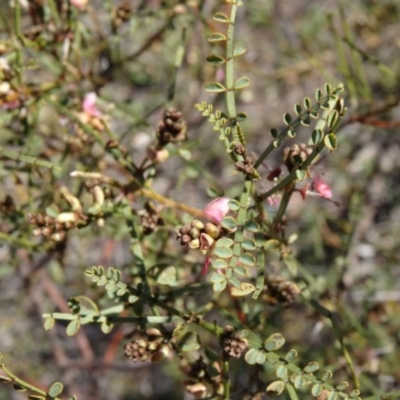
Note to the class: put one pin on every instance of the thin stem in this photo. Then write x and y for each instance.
(18, 41)
(284, 203)
(136, 249)
(387, 396)
(172, 203)
(291, 391)
(22, 382)
(54, 12)
(28, 159)
(143, 191)
(338, 333)
(230, 94)
(359, 77)
(20, 241)
(226, 378)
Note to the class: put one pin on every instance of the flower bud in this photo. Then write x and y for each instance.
(153, 333)
(153, 346)
(197, 390)
(100, 222)
(157, 155)
(194, 244)
(161, 354)
(206, 242)
(46, 231)
(212, 230)
(197, 224)
(186, 239)
(217, 209)
(194, 233)
(58, 236)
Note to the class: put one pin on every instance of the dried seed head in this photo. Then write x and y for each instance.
(172, 128)
(239, 149)
(295, 155)
(235, 346)
(150, 219)
(137, 350)
(281, 291)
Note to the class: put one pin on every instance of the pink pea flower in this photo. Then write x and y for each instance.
(273, 200)
(321, 187)
(220, 75)
(89, 105)
(11, 105)
(217, 209)
(80, 4)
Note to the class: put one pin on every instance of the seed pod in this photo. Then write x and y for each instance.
(67, 217)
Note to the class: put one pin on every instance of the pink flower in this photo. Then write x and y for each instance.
(89, 105)
(220, 75)
(217, 209)
(81, 4)
(321, 187)
(11, 105)
(273, 200)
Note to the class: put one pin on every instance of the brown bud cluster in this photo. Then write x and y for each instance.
(55, 228)
(147, 346)
(123, 13)
(172, 129)
(150, 218)
(246, 165)
(296, 155)
(198, 235)
(233, 345)
(281, 291)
